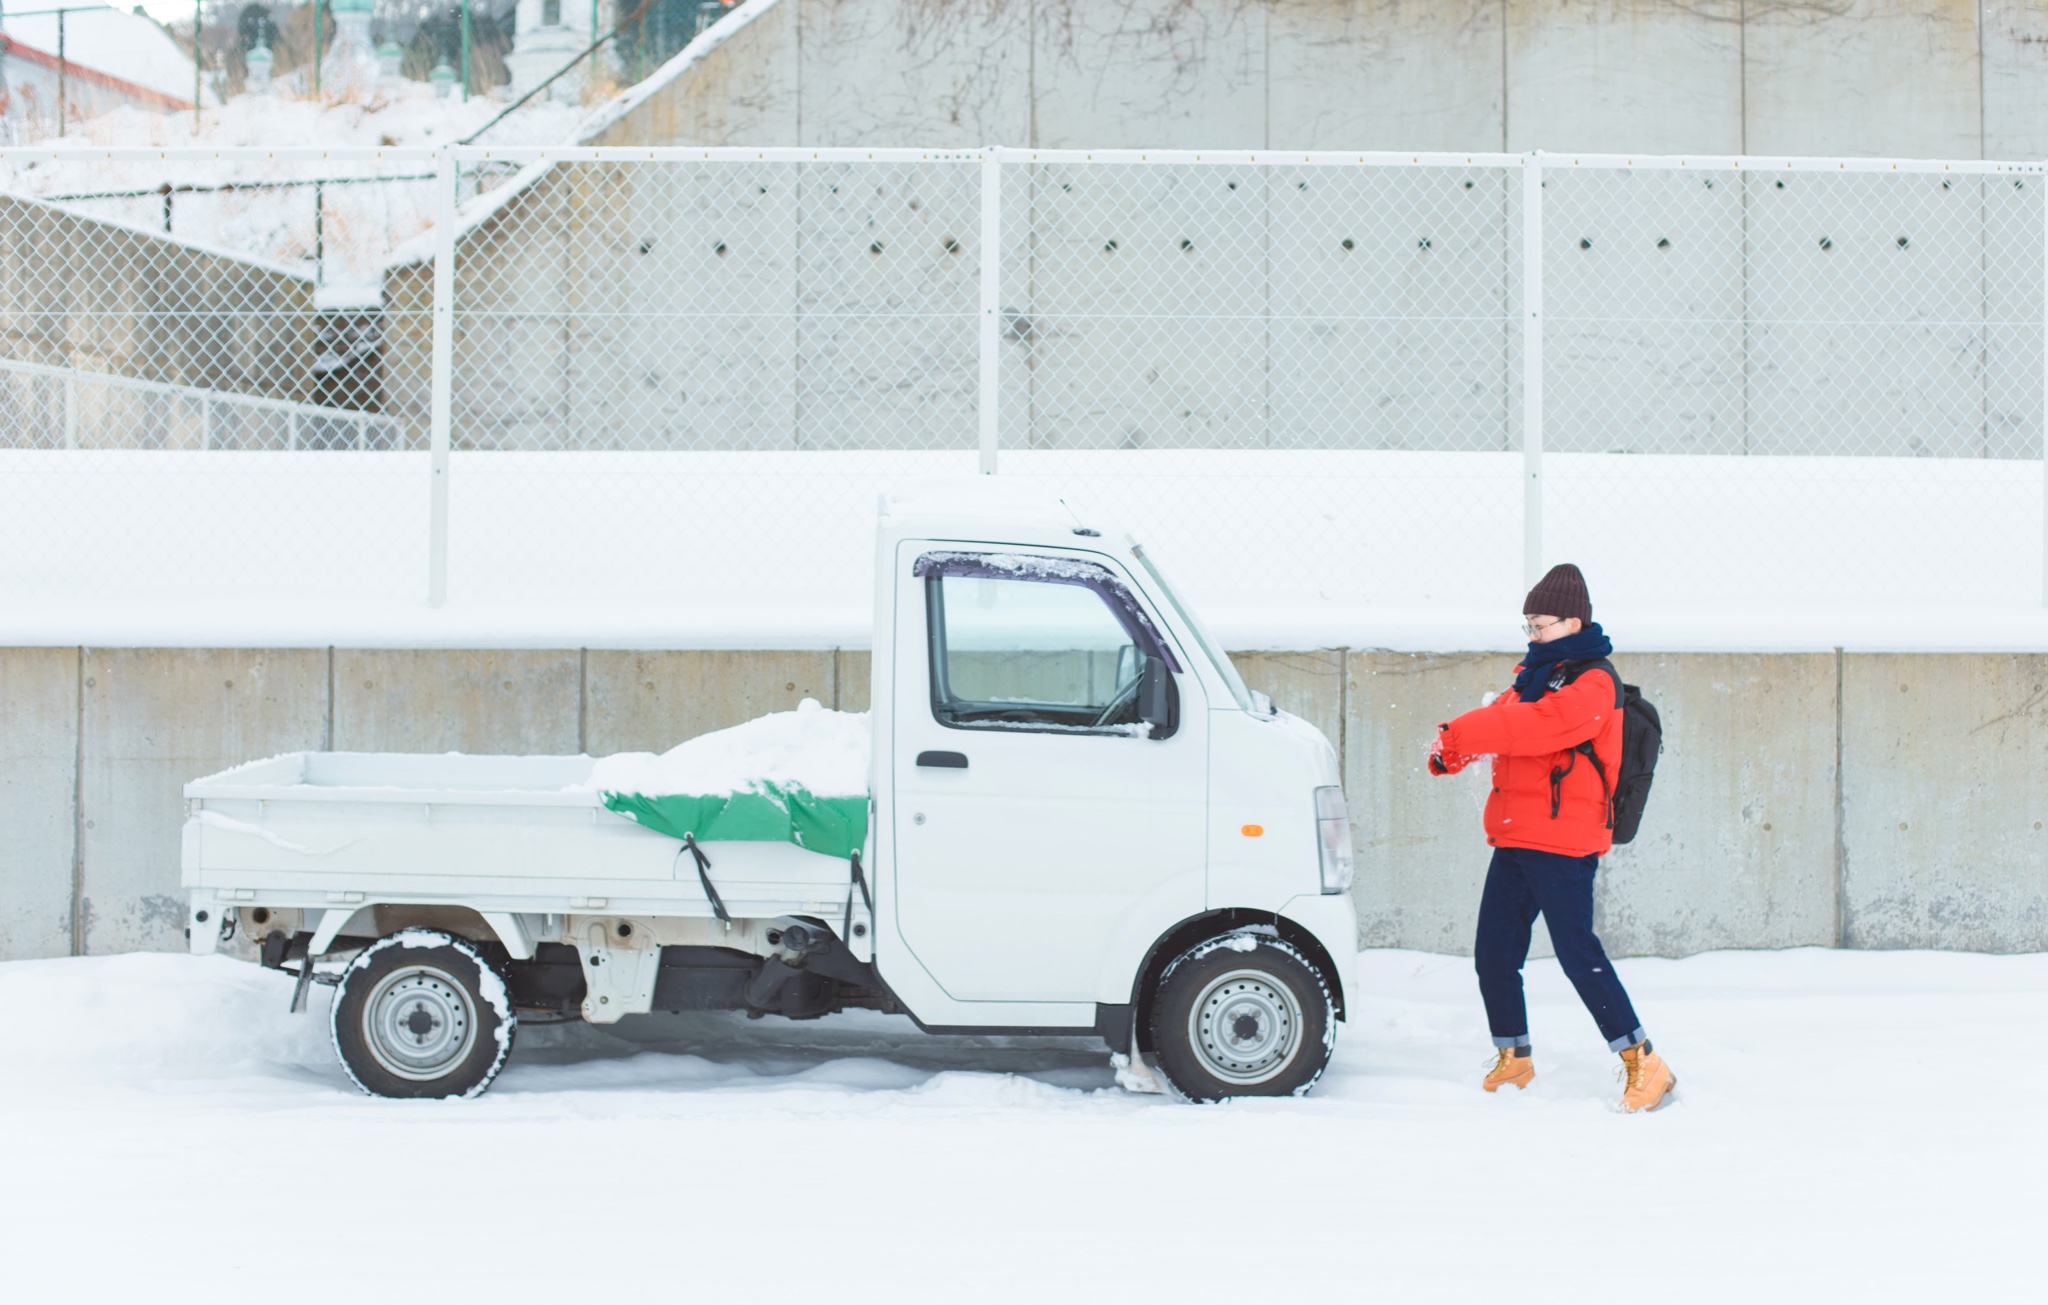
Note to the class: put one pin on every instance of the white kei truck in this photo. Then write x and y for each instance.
(1079, 822)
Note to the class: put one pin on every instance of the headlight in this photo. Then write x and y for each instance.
(1333, 838)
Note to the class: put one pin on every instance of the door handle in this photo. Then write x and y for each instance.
(943, 760)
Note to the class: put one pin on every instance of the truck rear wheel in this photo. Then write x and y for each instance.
(422, 1014)
(1242, 1015)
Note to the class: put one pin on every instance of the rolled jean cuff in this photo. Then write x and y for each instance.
(1519, 1040)
(1622, 1043)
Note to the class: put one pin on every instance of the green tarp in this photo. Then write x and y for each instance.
(770, 813)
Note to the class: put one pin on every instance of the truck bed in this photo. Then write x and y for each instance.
(324, 829)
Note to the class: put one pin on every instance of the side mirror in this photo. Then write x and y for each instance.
(1156, 697)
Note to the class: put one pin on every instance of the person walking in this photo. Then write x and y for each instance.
(1555, 740)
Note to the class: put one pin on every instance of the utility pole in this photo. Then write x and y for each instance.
(60, 72)
(465, 51)
(198, 52)
(316, 49)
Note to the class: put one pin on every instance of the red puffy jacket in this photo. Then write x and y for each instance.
(1545, 796)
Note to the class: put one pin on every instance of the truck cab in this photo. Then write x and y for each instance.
(1081, 822)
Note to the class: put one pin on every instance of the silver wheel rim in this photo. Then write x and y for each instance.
(1246, 1027)
(419, 1023)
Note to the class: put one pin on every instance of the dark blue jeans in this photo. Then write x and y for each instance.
(1519, 884)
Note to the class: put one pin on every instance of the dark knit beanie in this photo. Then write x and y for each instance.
(1561, 593)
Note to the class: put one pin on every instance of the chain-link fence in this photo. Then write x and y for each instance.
(196, 387)
(1305, 368)
(689, 380)
(1809, 381)
(680, 377)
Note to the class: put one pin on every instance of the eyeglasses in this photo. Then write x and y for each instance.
(1535, 629)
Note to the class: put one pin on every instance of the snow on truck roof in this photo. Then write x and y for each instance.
(975, 504)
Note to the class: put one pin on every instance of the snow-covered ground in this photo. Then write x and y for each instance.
(1850, 1126)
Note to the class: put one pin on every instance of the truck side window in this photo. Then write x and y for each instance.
(1035, 651)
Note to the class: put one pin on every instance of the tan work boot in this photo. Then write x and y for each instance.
(1647, 1080)
(1513, 1065)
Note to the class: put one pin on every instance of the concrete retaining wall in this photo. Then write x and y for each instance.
(1913, 78)
(1803, 799)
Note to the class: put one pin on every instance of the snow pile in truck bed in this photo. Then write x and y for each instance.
(170, 1131)
(813, 748)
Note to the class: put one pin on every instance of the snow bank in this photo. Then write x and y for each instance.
(1275, 548)
(813, 747)
(151, 1020)
(373, 207)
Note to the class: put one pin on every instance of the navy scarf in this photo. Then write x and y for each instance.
(1588, 645)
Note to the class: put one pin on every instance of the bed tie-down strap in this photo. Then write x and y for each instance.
(767, 813)
(704, 878)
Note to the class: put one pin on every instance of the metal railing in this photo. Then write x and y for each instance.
(218, 419)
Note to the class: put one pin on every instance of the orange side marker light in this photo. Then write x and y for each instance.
(1253, 831)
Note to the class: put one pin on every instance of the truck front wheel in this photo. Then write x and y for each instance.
(422, 1014)
(1242, 1015)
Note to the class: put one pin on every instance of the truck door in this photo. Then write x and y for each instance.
(1044, 826)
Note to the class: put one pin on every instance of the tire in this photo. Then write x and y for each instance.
(1242, 1015)
(422, 1014)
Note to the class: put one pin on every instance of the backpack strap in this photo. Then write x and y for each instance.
(1570, 672)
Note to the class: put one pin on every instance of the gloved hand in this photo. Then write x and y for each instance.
(1442, 761)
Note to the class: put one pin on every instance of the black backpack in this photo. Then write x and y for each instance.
(1642, 739)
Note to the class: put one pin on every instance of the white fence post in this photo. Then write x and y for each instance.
(2038, 184)
(1532, 368)
(991, 306)
(443, 400)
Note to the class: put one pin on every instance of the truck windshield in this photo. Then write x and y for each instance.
(1231, 679)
